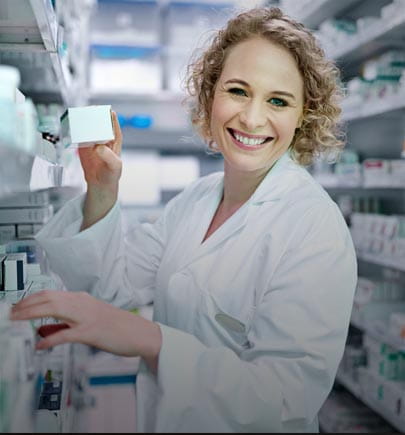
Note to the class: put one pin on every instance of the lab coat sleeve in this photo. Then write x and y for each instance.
(101, 260)
(297, 338)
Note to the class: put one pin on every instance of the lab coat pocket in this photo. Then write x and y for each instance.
(234, 327)
(232, 330)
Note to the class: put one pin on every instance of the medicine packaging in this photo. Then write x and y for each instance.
(86, 126)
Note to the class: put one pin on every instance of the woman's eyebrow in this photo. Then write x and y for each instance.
(284, 93)
(243, 83)
(239, 81)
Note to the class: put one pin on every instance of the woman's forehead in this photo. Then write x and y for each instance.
(263, 63)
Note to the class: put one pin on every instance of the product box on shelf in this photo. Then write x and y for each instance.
(26, 215)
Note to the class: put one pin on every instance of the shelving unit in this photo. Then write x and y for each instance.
(366, 45)
(377, 407)
(159, 49)
(33, 40)
(380, 260)
(36, 38)
(383, 106)
(314, 12)
(374, 130)
(379, 334)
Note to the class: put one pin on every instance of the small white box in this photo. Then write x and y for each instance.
(14, 271)
(86, 126)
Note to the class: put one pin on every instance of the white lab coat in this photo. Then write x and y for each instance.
(253, 320)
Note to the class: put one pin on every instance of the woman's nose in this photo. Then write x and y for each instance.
(253, 116)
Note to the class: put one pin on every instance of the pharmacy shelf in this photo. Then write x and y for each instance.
(369, 108)
(162, 140)
(18, 168)
(379, 334)
(380, 260)
(29, 25)
(116, 98)
(65, 414)
(377, 407)
(387, 34)
(314, 13)
(15, 170)
(32, 32)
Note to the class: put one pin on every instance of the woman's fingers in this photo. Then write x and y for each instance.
(65, 335)
(38, 311)
(109, 157)
(117, 143)
(47, 303)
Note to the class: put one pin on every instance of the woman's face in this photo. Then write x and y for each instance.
(258, 104)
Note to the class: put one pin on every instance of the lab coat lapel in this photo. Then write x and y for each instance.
(203, 212)
(234, 224)
(272, 188)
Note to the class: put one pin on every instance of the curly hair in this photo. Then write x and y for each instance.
(320, 132)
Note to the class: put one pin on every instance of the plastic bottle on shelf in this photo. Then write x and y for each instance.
(9, 82)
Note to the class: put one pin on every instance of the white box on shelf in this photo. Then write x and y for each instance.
(26, 199)
(398, 172)
(86, 126)
(376, 173)
(397, 325)
(14, 271)
(26, 215)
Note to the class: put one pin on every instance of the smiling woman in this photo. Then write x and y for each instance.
(320, 131)
(251, 270)
(251, 123)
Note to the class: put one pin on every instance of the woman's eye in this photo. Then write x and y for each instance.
(237, 91)
(278, 102)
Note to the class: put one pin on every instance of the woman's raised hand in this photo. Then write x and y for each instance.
(101, 163)
(102, 168)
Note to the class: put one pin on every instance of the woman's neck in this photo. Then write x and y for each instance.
(239, 186)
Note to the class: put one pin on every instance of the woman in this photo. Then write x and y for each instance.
(252, 271)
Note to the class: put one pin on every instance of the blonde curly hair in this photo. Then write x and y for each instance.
(320, 132)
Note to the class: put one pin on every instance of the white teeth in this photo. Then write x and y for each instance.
(249, 141)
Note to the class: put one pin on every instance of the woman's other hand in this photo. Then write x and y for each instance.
(93, 322)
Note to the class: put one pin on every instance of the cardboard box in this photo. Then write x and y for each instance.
(86, 126)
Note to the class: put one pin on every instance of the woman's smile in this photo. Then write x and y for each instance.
(248, 142)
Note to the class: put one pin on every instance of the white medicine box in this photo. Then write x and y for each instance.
(86, 126)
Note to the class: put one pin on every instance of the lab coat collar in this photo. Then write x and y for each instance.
(280, 179)
(277, 182)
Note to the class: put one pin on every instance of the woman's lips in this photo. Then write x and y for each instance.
(248, 147)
